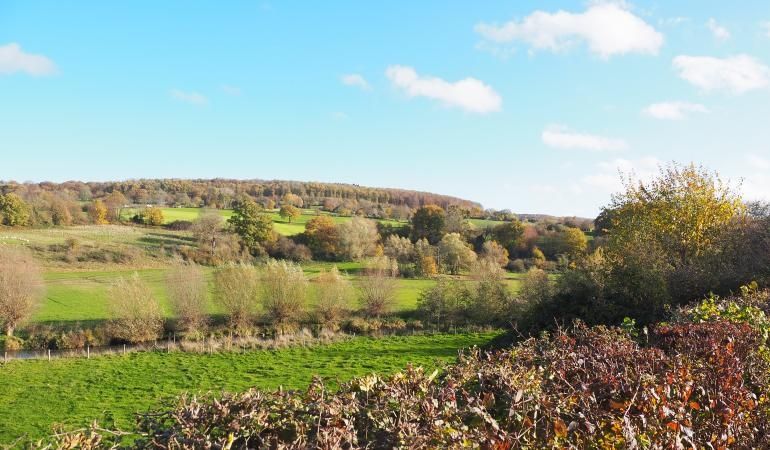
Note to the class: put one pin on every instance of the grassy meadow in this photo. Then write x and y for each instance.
(36, 394)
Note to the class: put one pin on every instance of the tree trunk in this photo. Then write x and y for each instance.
(9, 330)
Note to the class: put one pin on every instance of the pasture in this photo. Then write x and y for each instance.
(281, 225)
(81, 296)
(34, 395)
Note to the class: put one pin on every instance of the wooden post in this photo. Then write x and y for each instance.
(49, 354)
(5, 357)
(124, 349)
(88, 352)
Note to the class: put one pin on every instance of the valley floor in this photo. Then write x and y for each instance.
(35, 395)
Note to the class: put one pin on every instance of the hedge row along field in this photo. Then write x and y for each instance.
(700, 381)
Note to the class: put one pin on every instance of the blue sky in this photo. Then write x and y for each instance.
(531, 106)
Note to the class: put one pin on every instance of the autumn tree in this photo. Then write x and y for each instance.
(334, 295)
(115, 202)
(509, 234)
(14, 212)
(21, 287)
(237, 289)
(207, 229)
(455, 254)
(574, 241)
(152, 217)
(292, 199)
(456, 219)
(136, 313)
(493, 251)
(677, 225)
(429, 222)
(187, 289)
(399, 248)
(284, 289)
(252, 224)
(322, 236)
(98, 213)
(289, 212)
(358, 238)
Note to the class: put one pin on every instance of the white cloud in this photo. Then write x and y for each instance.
(192, 98)
(228, 89)
(561, 137)
(607, 28)
(354, 79)
(719, 32)
(758, 162)
(13, 59)
(673, 110)
(737, 74)
(610, 174)
(469, 94)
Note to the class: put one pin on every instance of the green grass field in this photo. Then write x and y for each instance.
(281, 226)
(34, 395)
(81, 297)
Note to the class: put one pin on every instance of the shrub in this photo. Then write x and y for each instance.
(11, 343)
(695, 386)
(445, 303)
(187, 289)
(236, 289)
(334, 295)
(284, 288)
(136, 313)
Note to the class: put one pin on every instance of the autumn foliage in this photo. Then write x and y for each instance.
(700, 381)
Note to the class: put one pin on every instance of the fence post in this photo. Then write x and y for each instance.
(5, 357)
(88, 352)
(124, 349)
(49, 354)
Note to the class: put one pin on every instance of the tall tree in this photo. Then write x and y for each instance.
(289, 212)
(14, 212)
(252, 224)
(322, 237)
(21, 287)
(429, 222)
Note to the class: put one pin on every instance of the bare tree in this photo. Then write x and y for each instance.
(284, 288)
(137, 316)
(333, 297)
(21, 287)
(186, 287)
(237, 291)
(206, 230)
(378, 292)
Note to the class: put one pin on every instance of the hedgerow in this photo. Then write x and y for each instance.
(691, 383)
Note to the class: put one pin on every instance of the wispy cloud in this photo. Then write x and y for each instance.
(737, 74)
(193, 98)
(721, 33)
(609, 174)
(356, 80)
(561, 137)
(758, 162)
(13, 60)
(607, 28)
(469, 94)
(765, 27)
(673, 110)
